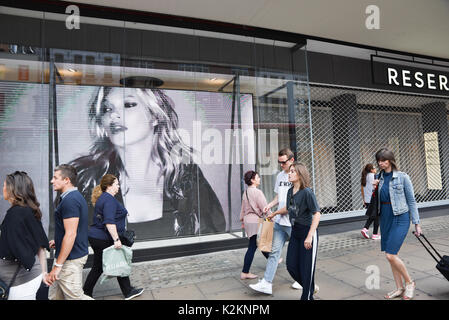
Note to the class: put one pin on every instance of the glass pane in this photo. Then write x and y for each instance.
(177, 115)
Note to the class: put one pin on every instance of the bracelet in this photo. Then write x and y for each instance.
(58, 265)
(118, 239)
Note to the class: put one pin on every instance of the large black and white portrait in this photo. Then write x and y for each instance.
(178, 154)
(173, 151)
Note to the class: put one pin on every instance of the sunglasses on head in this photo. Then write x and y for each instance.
(17, 173)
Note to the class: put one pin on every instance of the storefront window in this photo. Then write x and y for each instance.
(178, 115)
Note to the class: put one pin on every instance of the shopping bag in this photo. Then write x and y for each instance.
(116, 262)
(265, 235)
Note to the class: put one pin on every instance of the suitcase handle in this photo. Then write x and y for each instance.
(422, 235)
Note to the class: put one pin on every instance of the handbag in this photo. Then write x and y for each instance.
(4, 288)
(127, 237)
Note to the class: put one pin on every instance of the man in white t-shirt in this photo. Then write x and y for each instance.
(282, 226)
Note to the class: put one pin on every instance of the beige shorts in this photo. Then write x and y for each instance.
(70, 283)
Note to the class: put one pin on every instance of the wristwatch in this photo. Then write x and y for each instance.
(118, 239)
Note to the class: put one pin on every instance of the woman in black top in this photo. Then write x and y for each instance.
(109, 223)
(304, 214)
(22, 239)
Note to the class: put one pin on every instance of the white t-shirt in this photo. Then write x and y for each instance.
(281, 188)
(368, 189)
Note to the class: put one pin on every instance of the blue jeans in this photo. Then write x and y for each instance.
(280, 235)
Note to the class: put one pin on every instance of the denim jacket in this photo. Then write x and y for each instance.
(401, 194)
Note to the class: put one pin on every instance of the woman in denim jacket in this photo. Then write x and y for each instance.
(397, 205)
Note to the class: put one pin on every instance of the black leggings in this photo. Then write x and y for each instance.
(249, 256)
(370, 220)
(97, 269)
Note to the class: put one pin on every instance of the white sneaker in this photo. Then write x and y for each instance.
(296, 286)
(262, 286)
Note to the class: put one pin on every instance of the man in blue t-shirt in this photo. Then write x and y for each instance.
(71, 244)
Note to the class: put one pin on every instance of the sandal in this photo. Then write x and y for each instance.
(248, 275)
(394, 294)
(409, 291)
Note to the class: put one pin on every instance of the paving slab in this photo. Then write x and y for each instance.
(334, 289)
(186, 292)
(220, 285)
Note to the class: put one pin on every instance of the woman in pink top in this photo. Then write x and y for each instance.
(253, 202)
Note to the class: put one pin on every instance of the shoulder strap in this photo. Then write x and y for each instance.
(14, 277)
(246, 192)
(290, 191)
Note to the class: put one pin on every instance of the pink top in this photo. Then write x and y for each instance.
(253, 210)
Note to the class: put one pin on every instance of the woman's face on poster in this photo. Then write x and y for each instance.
(5, 191)
(126, 118)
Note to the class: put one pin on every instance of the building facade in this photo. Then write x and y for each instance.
(180, 109)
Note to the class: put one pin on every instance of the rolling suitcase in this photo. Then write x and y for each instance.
(443, 263)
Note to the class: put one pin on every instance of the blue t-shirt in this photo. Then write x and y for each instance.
(72, 205)
(108, 210)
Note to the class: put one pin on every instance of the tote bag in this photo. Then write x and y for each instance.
(116, 262)
(265, 235)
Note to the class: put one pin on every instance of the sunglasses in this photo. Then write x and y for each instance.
(284, 162)
(17, 173)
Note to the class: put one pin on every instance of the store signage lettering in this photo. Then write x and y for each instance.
(417, 79)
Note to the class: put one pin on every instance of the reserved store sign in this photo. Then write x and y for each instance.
(418, 79)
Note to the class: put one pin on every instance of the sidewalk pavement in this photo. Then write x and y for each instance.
(346, 267)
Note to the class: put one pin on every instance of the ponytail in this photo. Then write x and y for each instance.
(105, 182)
(96, 193)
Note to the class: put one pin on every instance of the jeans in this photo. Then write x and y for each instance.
(249, 256)
(280, 235)
(97, 269)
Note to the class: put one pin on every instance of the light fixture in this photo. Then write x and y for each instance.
(71, 70)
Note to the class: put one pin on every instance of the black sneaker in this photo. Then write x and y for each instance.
(134, 293)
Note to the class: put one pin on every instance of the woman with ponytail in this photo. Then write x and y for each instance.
(22, 239)
(109, 223)
(367, 191)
